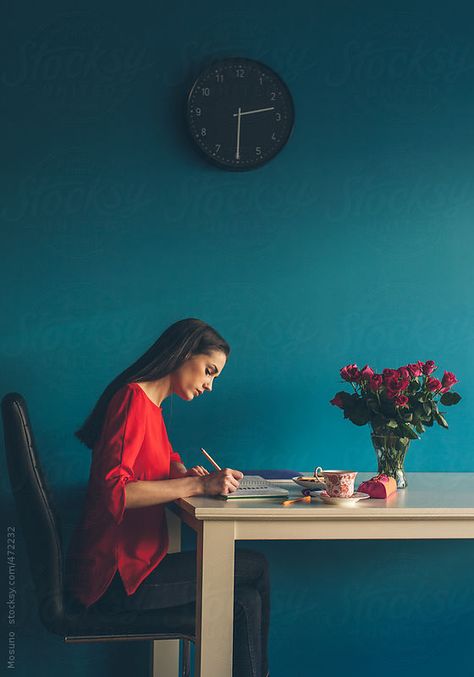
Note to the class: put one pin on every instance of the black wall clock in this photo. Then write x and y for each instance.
(240, 113)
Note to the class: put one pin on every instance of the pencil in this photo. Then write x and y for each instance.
(209, 458)
(304, 499)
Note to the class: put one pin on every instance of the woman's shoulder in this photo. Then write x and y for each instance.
(128, 394)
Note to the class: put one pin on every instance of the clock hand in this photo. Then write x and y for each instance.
(249, 112)
(237, 151)
(238, 115)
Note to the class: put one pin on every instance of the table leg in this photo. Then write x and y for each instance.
(165, 662)
(215, 599)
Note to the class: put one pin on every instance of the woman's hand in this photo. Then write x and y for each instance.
(196, 471)
(224, 481)
(178, 470)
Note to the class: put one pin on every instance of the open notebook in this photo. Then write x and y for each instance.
(254, 486)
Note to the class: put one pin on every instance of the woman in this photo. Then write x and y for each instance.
(118, 557)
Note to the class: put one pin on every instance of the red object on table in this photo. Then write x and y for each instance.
(380, 486)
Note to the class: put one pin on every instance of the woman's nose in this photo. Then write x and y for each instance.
(208, 386)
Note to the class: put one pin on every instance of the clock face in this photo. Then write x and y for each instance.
(240, 113)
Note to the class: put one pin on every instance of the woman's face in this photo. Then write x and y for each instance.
(197, 374)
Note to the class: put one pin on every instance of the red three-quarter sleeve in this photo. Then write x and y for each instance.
(174, 456)
(121, 440)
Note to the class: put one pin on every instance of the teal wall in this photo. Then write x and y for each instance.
(354, 244)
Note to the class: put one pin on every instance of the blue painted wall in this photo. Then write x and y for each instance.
(354, 244)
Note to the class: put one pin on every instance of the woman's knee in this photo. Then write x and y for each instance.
(250, 565)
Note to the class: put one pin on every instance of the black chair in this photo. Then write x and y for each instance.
(38, 518)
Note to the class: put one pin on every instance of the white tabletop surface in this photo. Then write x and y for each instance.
(435, 494)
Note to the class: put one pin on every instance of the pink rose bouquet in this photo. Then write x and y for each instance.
(402, 400)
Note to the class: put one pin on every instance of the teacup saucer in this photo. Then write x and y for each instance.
(337, 500)
(309, 483)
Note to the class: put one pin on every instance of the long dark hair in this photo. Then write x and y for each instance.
(178, 343)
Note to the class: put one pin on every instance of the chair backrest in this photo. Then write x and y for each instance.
(36, 512)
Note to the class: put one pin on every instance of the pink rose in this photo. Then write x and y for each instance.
(388, 373)
(415, 369)
(391, 394)
(366, 372)
(391, 383)
(433, 384)
(375, 382)
(448, 381)
(403, 383)
(429, 367)
(350, 373)
(403, 373)
(401, 401)
(396, 384)
(337, 401)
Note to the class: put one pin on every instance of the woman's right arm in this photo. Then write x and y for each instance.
(142, 493)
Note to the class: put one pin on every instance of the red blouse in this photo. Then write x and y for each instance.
(133, 446)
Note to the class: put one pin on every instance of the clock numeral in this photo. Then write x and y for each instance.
(278, 117)
(203, 131)
(274, 136)
(273, 96)
(205, 91)
(198, 111)
(217, 147)
(261, 80)
(219, 77)
(258, 150)
(240, 73)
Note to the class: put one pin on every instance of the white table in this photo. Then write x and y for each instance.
(433, 506)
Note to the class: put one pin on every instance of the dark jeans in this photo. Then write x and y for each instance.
(173, 583)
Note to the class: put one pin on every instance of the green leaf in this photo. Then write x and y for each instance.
(359, 414)
(346, 398)
(392, 423)
(418, 411)
(441, 420)
(408, 431)
(402, 443)
(419, 427)
(379, 421)
(448, 399)
(373, 405)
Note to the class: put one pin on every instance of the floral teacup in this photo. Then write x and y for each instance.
(339, 483)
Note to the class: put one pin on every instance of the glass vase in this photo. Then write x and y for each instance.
(391, 451)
